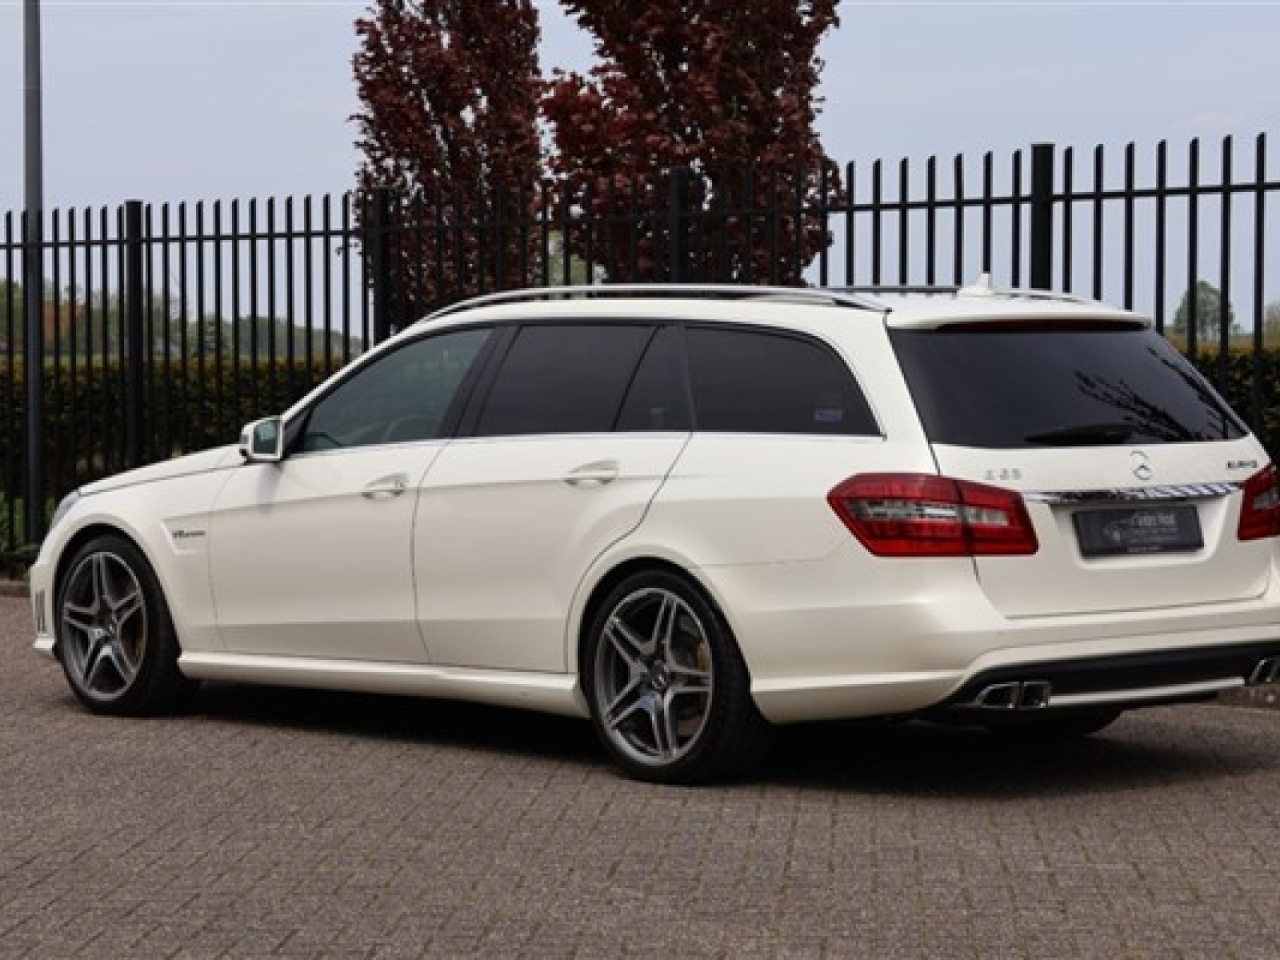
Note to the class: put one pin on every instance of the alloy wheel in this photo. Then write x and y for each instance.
(104, 628)
(654, 676)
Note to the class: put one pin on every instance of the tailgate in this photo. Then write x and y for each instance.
(1122, 528)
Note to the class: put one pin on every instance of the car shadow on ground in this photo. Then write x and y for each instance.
(1135, 753)
(1146, 749)
(408, 719)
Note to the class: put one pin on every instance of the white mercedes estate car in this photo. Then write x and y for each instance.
(692, 514)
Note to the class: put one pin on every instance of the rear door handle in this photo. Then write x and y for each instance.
(386, 488)
(593, 474)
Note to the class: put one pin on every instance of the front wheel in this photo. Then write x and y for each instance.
(116, 639)
(669, 692)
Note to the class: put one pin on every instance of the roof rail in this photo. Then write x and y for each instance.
(815, 295)
(894, 288)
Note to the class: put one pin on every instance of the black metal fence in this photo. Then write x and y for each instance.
(164, 327)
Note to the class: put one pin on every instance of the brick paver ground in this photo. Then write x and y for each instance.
(286, 824)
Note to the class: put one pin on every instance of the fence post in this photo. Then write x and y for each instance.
(1041, 252)
(33, 308)
(135, 366)
(384, 297)
(678, 227)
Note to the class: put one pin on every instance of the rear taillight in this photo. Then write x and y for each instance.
(918, 515)
(1260, 509)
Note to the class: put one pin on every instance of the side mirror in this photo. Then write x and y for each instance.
(263, 441)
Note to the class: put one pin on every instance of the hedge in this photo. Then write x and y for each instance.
(1237, 388)
(185, 410)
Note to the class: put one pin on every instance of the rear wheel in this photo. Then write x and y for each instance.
(116, 639)
(670, 695)
(1064, 726)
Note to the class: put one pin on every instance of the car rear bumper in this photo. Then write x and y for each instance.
(941, 646)
(1148, 671)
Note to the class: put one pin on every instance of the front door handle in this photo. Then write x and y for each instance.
(386, 488)
(593, 474)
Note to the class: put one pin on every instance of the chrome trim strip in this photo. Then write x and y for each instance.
(1188, 491)
(1146, 693)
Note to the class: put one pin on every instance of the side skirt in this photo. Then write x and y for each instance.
(544, 692)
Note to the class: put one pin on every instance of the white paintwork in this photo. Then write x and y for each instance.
(312, 556)
(910, 634)
(505, 529)
(152, 506)
(474, 581)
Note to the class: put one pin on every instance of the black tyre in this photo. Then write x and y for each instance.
(116, 639)
(669, 692)
(1062, 726)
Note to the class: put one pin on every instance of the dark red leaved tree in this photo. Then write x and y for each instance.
(448, 131)
(723, 89)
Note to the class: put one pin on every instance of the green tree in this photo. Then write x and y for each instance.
(1210, 314)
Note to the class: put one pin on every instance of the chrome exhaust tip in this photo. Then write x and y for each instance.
(1035, 694)
(1016, 695)
(1267, 671)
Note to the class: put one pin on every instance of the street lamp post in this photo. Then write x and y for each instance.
(33, 271)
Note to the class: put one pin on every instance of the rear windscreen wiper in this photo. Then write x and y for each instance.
(1083, 435)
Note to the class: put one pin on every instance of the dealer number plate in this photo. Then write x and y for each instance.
(1131, 531)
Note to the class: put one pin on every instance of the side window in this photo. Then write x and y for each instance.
(747, 381)
(400, 397)
(563, 379)
(657, 399)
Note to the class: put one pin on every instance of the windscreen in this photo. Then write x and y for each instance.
(1031, 386)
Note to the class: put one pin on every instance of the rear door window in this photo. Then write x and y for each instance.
(749, 381)
(658, 399)
(1032, 386)
(568, 378)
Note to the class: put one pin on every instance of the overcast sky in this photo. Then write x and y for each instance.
(206, 99)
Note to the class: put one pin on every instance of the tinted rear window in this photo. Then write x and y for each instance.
(1058, 387)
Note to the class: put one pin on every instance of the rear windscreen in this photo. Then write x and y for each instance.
(1045, 387)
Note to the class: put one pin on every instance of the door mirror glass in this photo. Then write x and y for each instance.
(263, 441)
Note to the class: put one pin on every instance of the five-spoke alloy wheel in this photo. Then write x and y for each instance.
(115, 636)
(669, 691)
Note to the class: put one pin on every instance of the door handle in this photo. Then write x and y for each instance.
(593, 474)
(386, 488)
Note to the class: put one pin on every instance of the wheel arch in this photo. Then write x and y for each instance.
(147, 680)
(89, 532)
(619, 572)
(732, 735)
